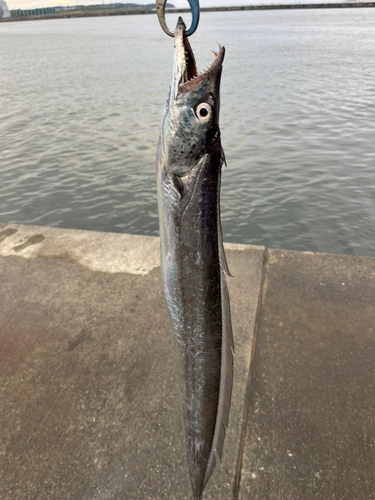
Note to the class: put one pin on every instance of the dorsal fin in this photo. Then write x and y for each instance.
(222, 258)
(226, 382)
(227, 350)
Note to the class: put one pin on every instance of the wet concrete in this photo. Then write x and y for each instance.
(88, 403)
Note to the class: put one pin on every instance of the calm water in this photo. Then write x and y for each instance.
(81, 102)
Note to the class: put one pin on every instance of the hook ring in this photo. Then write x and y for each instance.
(194, 6)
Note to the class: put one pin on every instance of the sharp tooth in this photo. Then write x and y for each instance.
(214, 53)
(220, 46)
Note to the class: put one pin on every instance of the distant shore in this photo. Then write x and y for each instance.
(133, 12)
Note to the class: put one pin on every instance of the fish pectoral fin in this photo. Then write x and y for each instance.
(176, 183)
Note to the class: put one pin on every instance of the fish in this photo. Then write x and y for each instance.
(193, 263)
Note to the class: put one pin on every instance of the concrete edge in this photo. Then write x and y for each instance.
(102, 252)
(97, 251)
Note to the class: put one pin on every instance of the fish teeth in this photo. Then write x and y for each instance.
(220, 46)
(214, 53)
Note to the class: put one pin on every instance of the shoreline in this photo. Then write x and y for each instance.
(134, 12)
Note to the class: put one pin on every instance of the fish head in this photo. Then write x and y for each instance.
(190, 126)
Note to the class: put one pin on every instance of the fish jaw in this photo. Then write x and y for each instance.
(185, 74)
(187, 135)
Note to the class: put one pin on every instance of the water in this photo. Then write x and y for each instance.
(81, 102)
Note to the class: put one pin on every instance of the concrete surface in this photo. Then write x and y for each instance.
(311, 421)
(88, 403)
(88, 406)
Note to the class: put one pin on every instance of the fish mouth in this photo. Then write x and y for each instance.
(186, 73)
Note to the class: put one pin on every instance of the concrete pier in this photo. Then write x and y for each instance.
(88, 403)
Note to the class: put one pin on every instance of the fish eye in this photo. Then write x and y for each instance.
(203, 112)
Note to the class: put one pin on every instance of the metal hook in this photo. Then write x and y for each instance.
(194, 6)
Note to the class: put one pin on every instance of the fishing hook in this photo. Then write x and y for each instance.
(194, 6)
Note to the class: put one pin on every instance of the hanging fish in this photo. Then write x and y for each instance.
(193, 264)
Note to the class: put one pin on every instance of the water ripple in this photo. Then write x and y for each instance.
(81, 105)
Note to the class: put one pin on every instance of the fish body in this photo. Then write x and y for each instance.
(193, 264)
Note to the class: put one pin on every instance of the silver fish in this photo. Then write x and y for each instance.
(193, 263)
